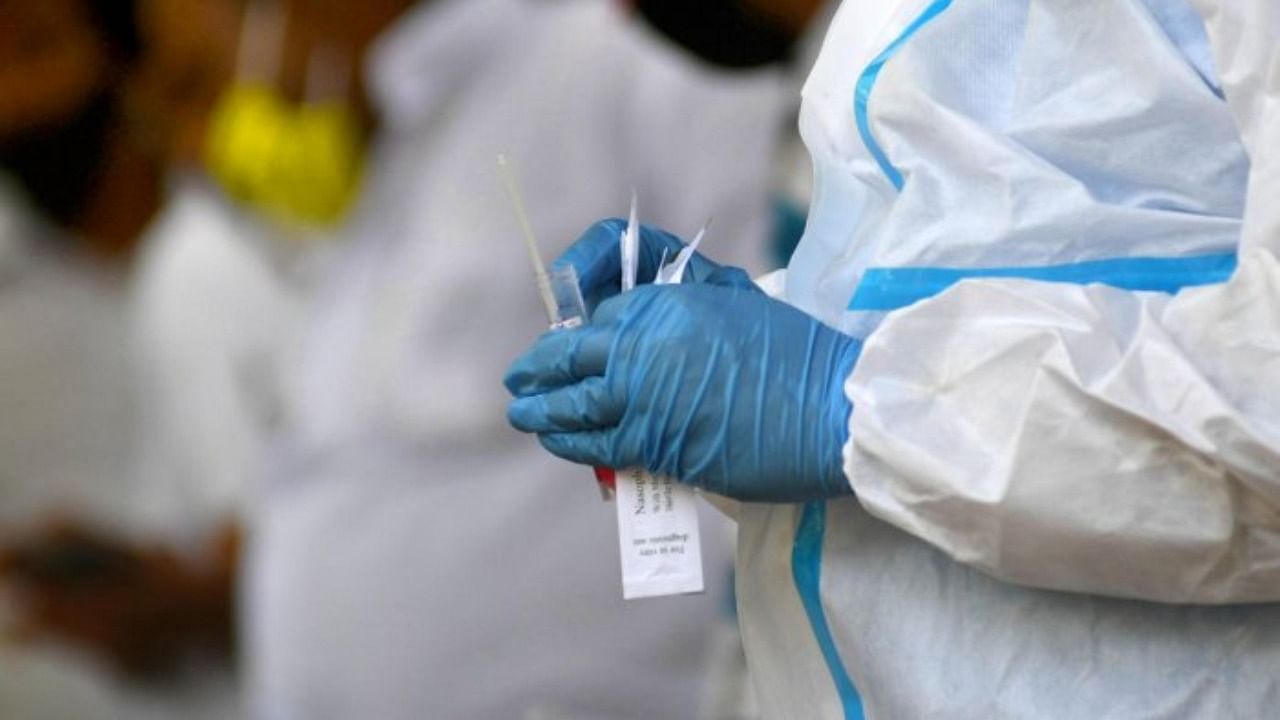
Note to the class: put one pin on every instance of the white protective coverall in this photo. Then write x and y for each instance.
(1067, 466)
(413, 556)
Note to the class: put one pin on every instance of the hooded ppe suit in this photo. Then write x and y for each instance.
(1054, 224)
(1047, 231)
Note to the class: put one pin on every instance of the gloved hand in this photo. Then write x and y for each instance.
(714, 384)
(596, 256)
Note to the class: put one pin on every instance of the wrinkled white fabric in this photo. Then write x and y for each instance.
(1011, 439)
(1084, 437)
(414, 556)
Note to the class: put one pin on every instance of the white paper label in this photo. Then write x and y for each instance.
(657, 536)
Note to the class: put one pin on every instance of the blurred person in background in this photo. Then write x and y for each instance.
(131, 381)
(86, 127)
(407, 558)
(273, 170)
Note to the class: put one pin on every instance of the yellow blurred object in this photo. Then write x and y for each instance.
(296, 163)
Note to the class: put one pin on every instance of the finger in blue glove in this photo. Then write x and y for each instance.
(596, 256)
(714, 384)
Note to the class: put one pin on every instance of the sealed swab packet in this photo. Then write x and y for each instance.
(658, 535)
(659, 541)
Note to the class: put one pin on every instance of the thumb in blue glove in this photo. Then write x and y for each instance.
(718, 386)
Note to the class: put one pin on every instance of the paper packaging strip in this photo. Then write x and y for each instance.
(658, 538)
(659, 541)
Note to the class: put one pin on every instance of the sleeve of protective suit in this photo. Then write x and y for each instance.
(1088, 439)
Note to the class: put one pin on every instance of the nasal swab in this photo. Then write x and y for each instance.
(531, 243)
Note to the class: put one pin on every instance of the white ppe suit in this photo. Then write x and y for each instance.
(1055, 223)
(413, 557)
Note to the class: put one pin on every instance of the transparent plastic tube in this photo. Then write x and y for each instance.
(569, 309)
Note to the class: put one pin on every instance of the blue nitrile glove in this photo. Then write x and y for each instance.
(717, 385)
(597, 257)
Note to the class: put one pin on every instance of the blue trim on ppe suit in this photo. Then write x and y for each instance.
(806, 570)
(893, 288)
(867, 81)
(806, 554)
